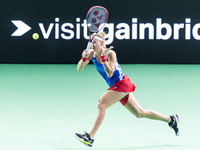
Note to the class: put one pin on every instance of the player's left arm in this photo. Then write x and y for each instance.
(109, 66)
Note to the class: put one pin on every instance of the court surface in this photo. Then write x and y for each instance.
(41, 106)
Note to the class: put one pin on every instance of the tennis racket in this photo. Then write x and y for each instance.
(96, 18)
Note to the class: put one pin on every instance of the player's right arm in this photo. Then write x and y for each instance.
(85, 55)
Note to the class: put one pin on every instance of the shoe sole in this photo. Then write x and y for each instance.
(178, 126)
(81, 140)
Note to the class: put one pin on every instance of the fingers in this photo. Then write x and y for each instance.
(111, 47)
(85, 54)
(105, 52)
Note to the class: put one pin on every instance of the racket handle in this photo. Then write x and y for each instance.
(88, 45)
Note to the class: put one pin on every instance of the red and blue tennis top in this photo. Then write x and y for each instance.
(117, 75)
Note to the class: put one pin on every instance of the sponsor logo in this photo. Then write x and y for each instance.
(134, 30)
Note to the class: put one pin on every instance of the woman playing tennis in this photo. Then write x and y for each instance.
(120, 89)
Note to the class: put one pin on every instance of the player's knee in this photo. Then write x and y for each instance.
(140, 114)
(100, 105)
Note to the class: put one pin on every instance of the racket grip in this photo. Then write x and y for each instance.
(88, 45)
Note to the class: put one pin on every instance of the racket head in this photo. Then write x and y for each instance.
(96, 18)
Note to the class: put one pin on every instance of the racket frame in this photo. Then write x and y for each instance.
(91, 38)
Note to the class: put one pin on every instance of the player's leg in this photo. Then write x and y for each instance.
(107, 99)
(134, 107)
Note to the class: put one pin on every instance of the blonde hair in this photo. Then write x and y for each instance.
(100, 35)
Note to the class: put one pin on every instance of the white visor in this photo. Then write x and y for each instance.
(98, 38)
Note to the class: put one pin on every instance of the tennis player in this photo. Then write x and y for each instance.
(120, 89)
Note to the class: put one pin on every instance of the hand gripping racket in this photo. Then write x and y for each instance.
(96, 18)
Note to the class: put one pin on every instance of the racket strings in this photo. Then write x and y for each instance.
(96, 18)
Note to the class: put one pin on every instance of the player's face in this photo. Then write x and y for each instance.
(96, 45)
